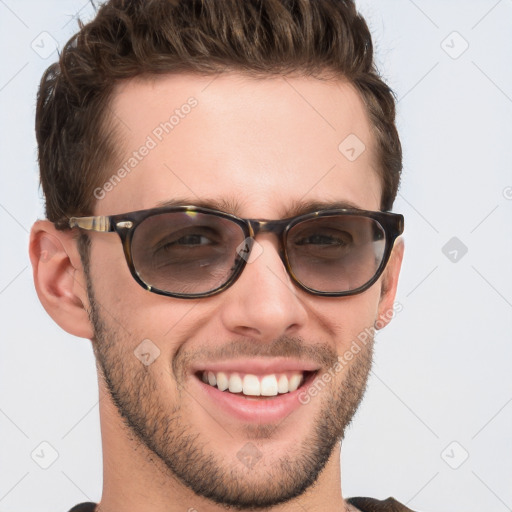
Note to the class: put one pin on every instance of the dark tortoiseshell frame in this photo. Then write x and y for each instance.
(125, 224)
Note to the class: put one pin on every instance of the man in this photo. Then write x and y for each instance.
(216, 177)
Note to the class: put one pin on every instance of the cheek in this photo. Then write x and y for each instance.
(140, 313)
(109, 270)
(348, 319)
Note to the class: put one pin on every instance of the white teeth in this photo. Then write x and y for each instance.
(235, 383)
(294, 382)
(269, 385)
(222, 381)
(253, 385)
(282, 384)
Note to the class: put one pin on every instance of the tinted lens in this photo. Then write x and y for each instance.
(336, 253)
(186, 252)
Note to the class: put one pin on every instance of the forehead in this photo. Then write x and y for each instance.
(259, 146)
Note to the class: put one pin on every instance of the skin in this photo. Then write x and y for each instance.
(263, 144)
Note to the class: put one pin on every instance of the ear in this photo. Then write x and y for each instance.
(59, 278)
(387, 307)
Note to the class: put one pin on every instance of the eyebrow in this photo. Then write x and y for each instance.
(234, 207)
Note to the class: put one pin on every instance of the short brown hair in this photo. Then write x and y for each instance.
(129, 38)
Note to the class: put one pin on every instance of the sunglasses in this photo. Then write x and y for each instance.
(191, 252)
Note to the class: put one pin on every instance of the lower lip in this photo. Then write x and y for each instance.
(260, 410)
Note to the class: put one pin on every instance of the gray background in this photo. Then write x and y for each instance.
(435, 427)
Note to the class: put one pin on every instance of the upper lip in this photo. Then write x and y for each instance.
(262, 366)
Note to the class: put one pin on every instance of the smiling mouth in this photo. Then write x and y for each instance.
(252, 385)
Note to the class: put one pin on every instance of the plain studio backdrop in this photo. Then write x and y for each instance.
(435, 426)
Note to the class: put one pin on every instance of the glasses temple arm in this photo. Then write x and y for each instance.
(97, 223)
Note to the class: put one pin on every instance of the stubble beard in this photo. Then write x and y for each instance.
(165, 433)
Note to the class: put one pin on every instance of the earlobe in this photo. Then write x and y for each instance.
(389, 285)
(59, 278)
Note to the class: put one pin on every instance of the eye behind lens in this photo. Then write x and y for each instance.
(183, 254)
(337, 253)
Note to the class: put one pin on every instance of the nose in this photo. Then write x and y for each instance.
(264, 303)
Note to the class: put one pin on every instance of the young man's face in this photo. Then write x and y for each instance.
(264, 144)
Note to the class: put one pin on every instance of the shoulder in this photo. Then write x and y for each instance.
(84, 507)
(373, 505)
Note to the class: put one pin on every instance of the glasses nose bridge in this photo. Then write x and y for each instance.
(277, 227)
